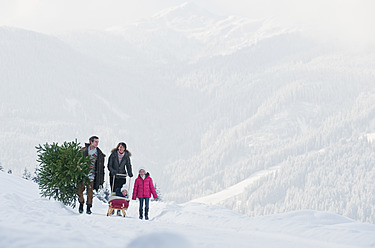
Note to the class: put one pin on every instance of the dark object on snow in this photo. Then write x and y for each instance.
(80, 209)
(88, 210)
(146, 213)
(140, 214)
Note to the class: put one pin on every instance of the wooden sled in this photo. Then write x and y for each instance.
(118, 203)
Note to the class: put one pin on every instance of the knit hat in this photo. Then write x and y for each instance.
(124, 188)
(142, 168)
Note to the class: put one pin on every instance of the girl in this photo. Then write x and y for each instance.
(143, 188)
(119, 163)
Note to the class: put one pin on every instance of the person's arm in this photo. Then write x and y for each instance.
(152, 188)
(101, 168)
(135, 190)
(129, 167)
(110, 165)
(84, 151)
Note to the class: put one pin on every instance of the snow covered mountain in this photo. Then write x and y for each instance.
(259, 117)
(51, 92)
(183, 34)
(38, 222)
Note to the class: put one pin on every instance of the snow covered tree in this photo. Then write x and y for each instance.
(103, 194)
(36, 177)
(1, 168)
(61, 169)
(26, 174)
(157, 189)
(10, 171)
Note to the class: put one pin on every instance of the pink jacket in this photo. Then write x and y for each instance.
(144, 188)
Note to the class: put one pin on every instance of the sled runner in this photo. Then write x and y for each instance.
(117, 202)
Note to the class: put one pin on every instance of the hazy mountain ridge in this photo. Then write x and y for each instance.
(183, 34)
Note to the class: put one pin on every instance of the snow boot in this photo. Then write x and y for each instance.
(88, 210)
(140, 214)
(146, 213)
(80, 209)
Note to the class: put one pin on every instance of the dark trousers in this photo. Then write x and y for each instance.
(119, 182)
(90, 193)
(147, 202)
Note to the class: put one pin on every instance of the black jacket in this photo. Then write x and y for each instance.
(115, 167)
(99, 166)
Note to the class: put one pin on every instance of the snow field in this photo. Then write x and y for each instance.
(236, 189)
(30, 221)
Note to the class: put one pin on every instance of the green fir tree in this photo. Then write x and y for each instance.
(61, 169)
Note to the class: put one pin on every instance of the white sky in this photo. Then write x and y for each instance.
(350, 20)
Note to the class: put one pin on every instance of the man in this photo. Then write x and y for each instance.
(96, 174)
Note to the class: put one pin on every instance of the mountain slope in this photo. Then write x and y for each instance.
(291, 111)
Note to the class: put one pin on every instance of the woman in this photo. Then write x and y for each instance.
(119, 163)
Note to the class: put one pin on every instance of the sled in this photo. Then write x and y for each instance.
(117, 202)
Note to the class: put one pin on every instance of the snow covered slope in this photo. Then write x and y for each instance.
(30, 221)
(235, 190)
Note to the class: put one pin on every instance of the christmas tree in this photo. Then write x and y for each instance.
(61, 168)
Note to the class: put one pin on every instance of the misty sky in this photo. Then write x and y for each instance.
(352, 19)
